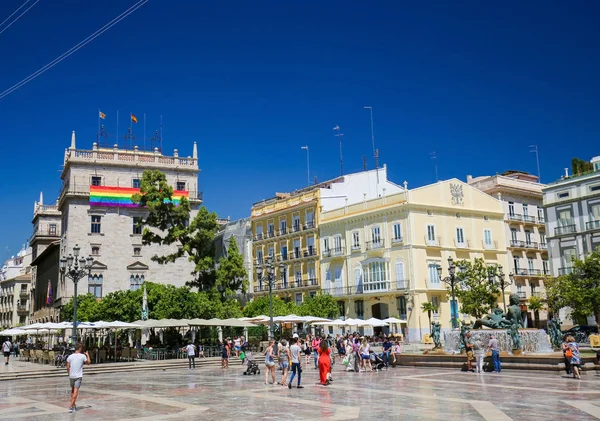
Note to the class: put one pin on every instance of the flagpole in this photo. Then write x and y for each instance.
(144, 131)
(98, 135)
(117, 128)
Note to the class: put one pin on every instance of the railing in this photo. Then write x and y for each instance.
(310, 251)
(517, 243)
(338, 251)
(528, 272)
(402, 284)
(490, 246)
(374, 245)
(282, 257)
(433, 242)
(527, 218)
(541, 220)
(565, 271)
(356, 247)
(543, 246)
(311, 282)
(521, 272)
(537, 294)
(336, 291)
(465, 244)
(23, 294)
(296, 227)
(308, 225)
(83, 188)
(21, 308)
(567, 229)
(131, 155)
(592, 225)
(522, 295)
(531, 245)
(514, 217)
(270, 234)
(282, 231)
(258, 237)
(397, 240)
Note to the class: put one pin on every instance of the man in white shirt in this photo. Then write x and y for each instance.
(295, 351)
(6, 348)
(191, 353)
(75, 364)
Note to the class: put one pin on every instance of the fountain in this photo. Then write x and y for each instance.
(535, 341)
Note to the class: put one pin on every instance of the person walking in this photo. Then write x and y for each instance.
(191, 354)
(295, 352)
(226, 353)
(315, 345)
(270, 363)
(75, 364)
(495, 348)
(572, 352)
(365, 355)
(284, 361)
(324, 363)
(6, 349)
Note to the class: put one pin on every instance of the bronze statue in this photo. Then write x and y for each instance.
(555, 333)
(435, 334)
(464, 329)
(495, 320)
(514, 311)
(515, 336)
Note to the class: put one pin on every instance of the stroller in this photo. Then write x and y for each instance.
(251, 364)
(377, 362)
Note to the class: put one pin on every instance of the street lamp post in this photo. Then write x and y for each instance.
(269, 269)
(498, 278)
(451, 280)
(75, 268)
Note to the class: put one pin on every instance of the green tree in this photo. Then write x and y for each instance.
(228, 309)
(231, 273)
(321, 305)
(536, 304)
(477, 295)
(429, 308)
(166, 224)
(87, 309)
(260, 306)
(579, 290)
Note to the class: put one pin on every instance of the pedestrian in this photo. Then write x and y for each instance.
(295, 351)
(6, 349)
(572, 352)
(284, 361)
(479, 352)
(315, 344)
(75, 364)
(324, 363)
(494, 347)
(270, 363)
(469, 350)
(191, 354)
(225, 354)
(397, 350)
(387, 350)
(365, 355)
(237, 345)
(565, 346)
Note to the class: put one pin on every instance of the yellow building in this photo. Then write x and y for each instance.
(286, 228)
(380, 257)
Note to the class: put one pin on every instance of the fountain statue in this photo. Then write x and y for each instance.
(515, 337)
(435, 334)
(464, 329)
(497, 319)
(555, 333)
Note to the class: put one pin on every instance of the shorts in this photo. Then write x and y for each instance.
(296, 368)
(470, 355)
(270, 364)
(284, 365)
(225, 357)
(6, 354)
(307, 352)
(237, 348)
(75, 382)
(365, 357)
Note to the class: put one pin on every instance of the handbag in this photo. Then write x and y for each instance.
(569, 353)
(345, 361)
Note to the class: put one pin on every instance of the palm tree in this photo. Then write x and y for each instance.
(536, 304)
(429, 308)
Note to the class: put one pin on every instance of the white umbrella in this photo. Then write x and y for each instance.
(290, 318)
(393, 320)
(356, 322)
(331, 323)
(375, 322)
(34, 326)
(122, 325)
(313, 319)
(236, 323)
(13, 332)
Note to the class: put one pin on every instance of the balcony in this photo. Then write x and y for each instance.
(258, 237)
(514, 217)
(283, 257)
(541, 220)
(565, 271)
(337, 291)
(529, 219)
(517, 244)
(567, 229)
(396, 241)
(308, 225)
(592, 225)
(296, 227)
(543, 246)
(528, 272)
(311, 282)
(490, 246)
(270, 234)
(465, 244)
(402, 284)
(537, 294)
(334, 252)
(433, 241)
(356, 248)
(22, 308)
(23, 294)
(374, 245)
(282, 231)
(373, 287)
(522, 295)
(531, 245)
(310, 251)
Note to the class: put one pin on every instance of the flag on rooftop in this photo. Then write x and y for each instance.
(133, 118)
(101, 115)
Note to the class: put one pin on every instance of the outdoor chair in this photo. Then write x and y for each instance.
(25, 355)
(125, 354)
(50, 357)
(39, 355)
(102, 355)
(46, 357)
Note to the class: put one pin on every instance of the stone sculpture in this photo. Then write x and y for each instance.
(555, 333)
(435, 334)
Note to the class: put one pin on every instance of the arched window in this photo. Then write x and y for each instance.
(135, 281)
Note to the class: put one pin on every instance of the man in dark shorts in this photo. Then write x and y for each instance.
(75, 364)
(469, 350)
(6, 348)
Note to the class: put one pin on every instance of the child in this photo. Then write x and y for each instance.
(397, 350)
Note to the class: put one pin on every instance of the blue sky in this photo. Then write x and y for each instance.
(251, 82)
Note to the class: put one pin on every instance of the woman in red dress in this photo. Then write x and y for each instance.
(324, 362)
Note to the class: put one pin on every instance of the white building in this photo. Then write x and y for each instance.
(95, 212)
(15, 279)
(521, 196)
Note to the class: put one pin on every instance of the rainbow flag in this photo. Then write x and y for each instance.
(115, 197)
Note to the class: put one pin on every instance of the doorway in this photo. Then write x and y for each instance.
(380, 311)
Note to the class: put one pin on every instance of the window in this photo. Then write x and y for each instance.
(540, 214)
(376, 276)
(136, 183)
(542, 238)
(298, 298)
(528, 236)
(297, 248)
(355, 240)
(326, 244)
(359, 308)
(399, 269)
(296, 222)
(337, 244)
(460, 237)
(96, 180)
(429, 213)
(595, 212)
(562, 195)
(569, 255)
(358, 281)
(339, 282)
(511, 208)
(327, 278)
(545, 267)
(271, 229)
(397, 232)
(259, 255)
(310, 219)
(525, 209)
(272, 250)
(312, 294)
(487, 239)
(565, 217)
(135, 282)
(516, 263)
(284, 277)
(431, 234)
(436, 302)
(284, 251)
(530, 265)
(376, 235)
(310, 245)
(283, 226)
(342, 309)
(259, 232)
(312, 275)
(595, 188)
(95, 285)
(95, 250)
(137, 251)
(401, 305)
(298, 275)
(96, 227)
(52, 229)
(180, 186)
(434, 277)
(137, 225)
(513, 234)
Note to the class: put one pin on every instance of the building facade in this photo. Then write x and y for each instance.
(96, 213)
(521, 196)
(572, 207)
(15, 281)
(286, 227)
(380, 257)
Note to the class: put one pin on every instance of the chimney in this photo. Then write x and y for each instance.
(566, 173)
(469, 178)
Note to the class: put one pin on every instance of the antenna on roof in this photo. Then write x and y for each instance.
(534, 149)
(364, 163)
(340, 135)
(434, 157)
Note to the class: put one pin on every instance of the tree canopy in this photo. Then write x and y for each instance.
(320, 305)
(476, 294)
(231, 273)
(579, 290)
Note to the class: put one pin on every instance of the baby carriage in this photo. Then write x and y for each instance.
(251, 365)
(377, 362)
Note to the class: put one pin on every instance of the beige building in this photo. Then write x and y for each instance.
(521, 196)
(15, 281)
(380, 256)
